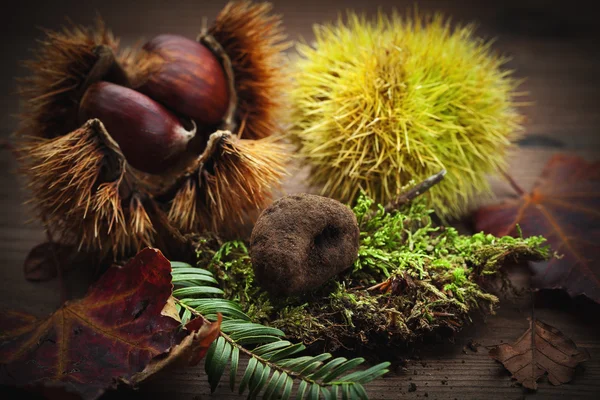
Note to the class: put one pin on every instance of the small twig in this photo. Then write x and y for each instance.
(419, 189)
(442, 314)
(511, 181)
(377, 286)
(410, 195)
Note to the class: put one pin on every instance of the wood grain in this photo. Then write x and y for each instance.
(551, 44)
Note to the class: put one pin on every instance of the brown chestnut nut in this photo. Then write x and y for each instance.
(150, 137)
(187, 78)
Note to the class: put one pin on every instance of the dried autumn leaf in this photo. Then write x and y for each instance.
(541, 350)
(205, 334)
(189, 352)
(564, 207)
(42, 261)
(122, 330)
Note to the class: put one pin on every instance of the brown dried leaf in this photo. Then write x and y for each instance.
(541, 350)
(189, 352)
(125, 329)
(564, 208)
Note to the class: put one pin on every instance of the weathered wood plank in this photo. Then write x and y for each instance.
(551, 45)
(446, 370)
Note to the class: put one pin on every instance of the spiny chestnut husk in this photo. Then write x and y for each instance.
(127, 148)
(381, 102)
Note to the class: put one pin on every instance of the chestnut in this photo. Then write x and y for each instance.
(186, 77)
(157, 178)
(151, 138)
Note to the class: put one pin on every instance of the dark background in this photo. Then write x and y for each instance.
(554, 45)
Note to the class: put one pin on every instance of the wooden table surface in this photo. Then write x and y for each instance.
(553, 45)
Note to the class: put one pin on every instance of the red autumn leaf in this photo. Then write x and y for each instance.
(43, 260)
(541, 350)
(114, 333)
(564, 207)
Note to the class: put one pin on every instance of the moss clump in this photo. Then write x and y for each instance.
(379, 103)
(411, 277)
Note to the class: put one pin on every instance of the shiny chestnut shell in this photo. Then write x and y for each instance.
(151, 138)
(188, 79)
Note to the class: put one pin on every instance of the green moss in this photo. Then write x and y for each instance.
(411, 277)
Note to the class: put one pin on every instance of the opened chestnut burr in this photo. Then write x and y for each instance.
(143, 146)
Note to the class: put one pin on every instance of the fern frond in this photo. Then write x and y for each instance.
(274, 364)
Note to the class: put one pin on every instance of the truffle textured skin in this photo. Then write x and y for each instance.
(301, 241)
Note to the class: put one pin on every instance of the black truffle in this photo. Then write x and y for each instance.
(301, 241)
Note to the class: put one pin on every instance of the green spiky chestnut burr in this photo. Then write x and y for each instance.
(380, 103)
